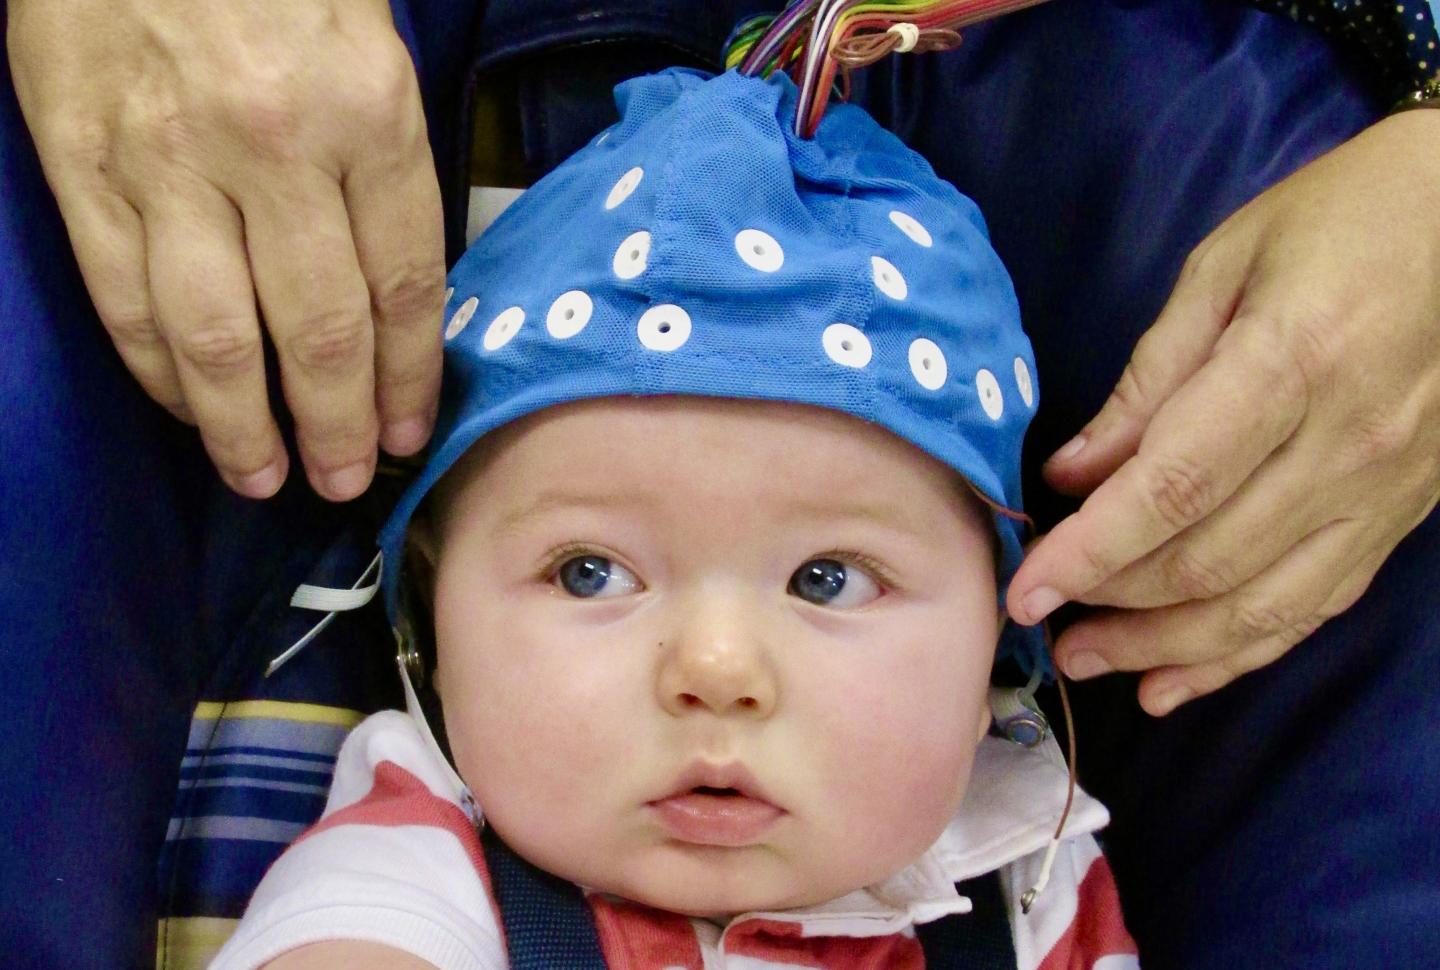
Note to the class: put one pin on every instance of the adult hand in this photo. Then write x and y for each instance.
(1275, 435)
(211, 156)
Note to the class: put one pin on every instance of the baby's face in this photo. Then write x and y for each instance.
(713, 656)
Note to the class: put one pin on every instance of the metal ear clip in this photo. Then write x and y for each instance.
(407, 655)
(1017, 716)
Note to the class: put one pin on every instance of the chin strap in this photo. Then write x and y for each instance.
(406, 658)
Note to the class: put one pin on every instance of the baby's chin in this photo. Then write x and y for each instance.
(714, 903)
(712, 883)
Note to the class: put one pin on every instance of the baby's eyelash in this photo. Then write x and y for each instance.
(871, 565)
(551, 562)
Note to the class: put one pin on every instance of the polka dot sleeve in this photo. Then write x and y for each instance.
(1398, 37)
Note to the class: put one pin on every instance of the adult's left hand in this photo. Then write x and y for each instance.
(1274, 436)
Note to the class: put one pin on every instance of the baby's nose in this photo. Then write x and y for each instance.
(723, 675)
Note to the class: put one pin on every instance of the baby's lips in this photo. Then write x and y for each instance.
(716, 817)
(732, 776)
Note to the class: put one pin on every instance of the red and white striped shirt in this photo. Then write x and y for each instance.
(396, 860)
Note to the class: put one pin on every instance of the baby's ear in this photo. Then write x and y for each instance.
(420, 541)
(422, 553)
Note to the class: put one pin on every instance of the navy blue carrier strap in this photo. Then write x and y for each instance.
(980, 939)
(548, 924)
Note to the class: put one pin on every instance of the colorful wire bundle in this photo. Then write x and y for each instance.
(812, 39)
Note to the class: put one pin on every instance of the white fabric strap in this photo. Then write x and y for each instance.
(327, 600)
(417, 714)
(909, 36)
(332, 602)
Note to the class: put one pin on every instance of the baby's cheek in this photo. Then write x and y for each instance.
(897, 752)
(532, 737)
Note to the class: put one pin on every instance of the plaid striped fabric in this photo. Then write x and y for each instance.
(254, 777)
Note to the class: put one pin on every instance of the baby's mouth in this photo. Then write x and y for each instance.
(716, 814)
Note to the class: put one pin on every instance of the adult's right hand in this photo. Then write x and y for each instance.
(218, 164)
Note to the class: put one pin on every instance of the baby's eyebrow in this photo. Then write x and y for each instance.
(891, 515)
(549, 501)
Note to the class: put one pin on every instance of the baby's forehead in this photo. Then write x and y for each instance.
(789, 461)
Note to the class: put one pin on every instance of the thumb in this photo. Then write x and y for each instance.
(1166, 356)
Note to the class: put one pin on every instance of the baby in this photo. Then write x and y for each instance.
(705, 571)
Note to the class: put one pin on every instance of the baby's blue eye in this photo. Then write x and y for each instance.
(829, 582)
(594, 577)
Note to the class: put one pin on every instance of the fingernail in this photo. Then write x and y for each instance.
(347, 482)
(1072, 448)
(405, 437)
(1167, 700)
(262, 484)
(1083, 666)
(1040, 603)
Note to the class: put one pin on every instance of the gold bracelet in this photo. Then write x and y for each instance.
(1427, 96)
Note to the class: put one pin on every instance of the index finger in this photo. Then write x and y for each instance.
(1200, 447)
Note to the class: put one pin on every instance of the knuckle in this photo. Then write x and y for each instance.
(219, 347)
(1376, 436)
(1313, 344)
(269, 116)
(1286, 377)
(387, 89)
(158, 128)
(410, 297)
(1193, 577)
(1262, 619)
(1130, 392)
(166, 135)
(84, 143)
(1180, 492)
(330, 341)
(132, 328)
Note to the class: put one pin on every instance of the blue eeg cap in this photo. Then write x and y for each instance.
(700, 247)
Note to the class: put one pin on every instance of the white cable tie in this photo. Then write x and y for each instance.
(909, 36)
(332, 602)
